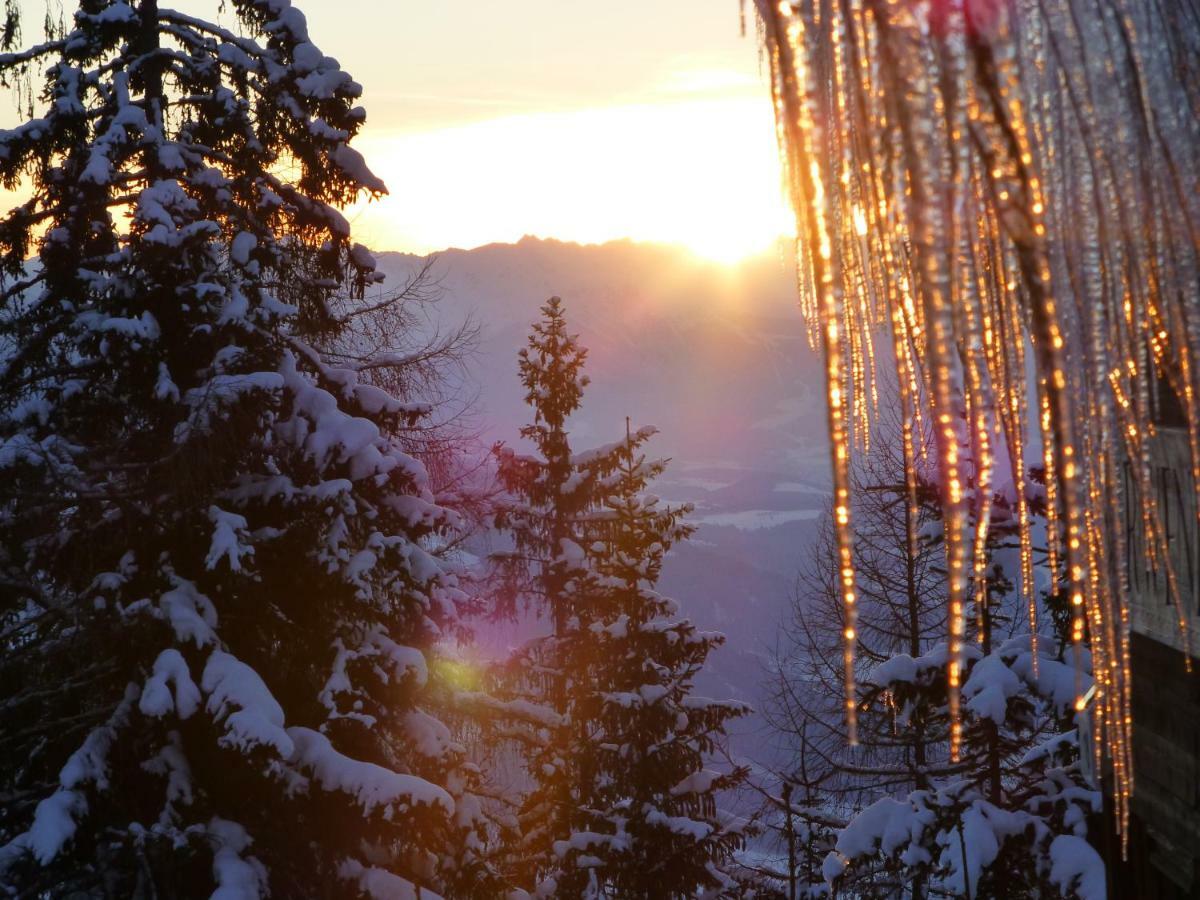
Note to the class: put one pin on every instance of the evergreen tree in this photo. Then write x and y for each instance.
(1012, 820)
(219, 569)
(622, 804)
(1008, 818)
(900, 584)
(794, 833)
(551, 370)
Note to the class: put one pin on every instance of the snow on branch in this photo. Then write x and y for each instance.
(372, 786)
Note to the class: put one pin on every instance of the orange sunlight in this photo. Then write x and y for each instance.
(702, 173)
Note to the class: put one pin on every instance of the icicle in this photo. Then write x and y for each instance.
(802, 136)
(1012, 192)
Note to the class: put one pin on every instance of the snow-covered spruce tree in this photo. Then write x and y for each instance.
(551, 370)
(1010, 822)
(218, 568)
(1009, 817)
(622, 804)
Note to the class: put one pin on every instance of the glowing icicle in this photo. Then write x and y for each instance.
(1013, 191)
(802, 137)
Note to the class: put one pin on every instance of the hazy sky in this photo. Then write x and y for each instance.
(561, 118)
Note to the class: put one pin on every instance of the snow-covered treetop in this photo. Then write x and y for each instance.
(551, 369)
(142, 105)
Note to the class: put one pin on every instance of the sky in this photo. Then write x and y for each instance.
(580, 121)
(586, 122)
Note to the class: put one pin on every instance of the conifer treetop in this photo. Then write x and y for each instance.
(138, 99)
(551, 370)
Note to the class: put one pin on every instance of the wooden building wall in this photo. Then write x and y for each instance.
(1164, 858)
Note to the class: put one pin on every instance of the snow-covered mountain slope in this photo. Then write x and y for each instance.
(717, 358)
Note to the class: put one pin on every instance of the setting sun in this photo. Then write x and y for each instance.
(702, 173)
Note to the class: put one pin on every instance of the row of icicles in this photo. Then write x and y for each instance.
(1011, 189)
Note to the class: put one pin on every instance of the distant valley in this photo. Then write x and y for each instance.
(716, 357)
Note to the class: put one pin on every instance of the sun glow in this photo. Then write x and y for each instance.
(700, 173)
